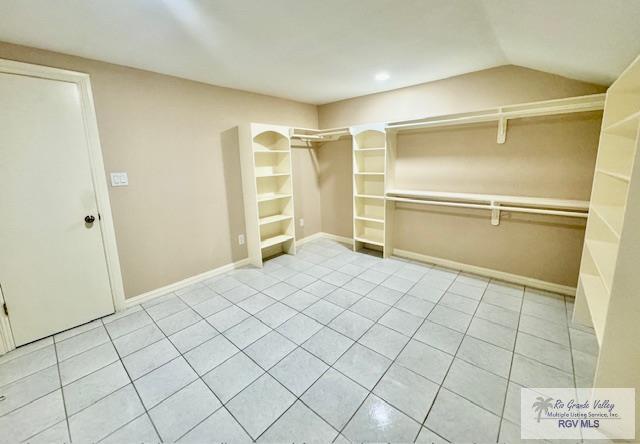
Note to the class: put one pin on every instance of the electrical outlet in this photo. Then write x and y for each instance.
(302, 222)
(241, 239)
(119, 180)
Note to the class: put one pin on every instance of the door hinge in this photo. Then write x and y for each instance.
(6, 310)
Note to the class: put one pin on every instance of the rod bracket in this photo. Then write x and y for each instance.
(495, 214)
(502, 130)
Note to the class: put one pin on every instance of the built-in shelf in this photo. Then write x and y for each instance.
(263, 151)
(604, 256)
(597, 300)
(613, 174)
(272, 174)
(275, 218)
(503, 114)
(272, 196)
(524, 201)
(369, 149)
(272, 241)
(369, 181)
(369, 196)
(611, 215)
(378, 242)
(609, 279)
(627, 127)
(370, 219)
(267, 190)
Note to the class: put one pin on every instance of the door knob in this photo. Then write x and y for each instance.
(89, 219)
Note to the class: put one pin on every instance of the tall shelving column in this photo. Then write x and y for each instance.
(265, 154)
(369, 167)
(608, 292)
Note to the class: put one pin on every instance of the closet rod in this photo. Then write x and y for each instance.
(490, 207)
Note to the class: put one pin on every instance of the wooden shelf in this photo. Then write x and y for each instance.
(611, 215)
(259, 175)
(270, 242)
(627, 127)
(597, 299)
(613, 174)
(604, 257)
(370, 219)
(542, 202)
(369, 180)
(592, 102)
(369, 196)
(263, 151)
(273, 219)
(266, 167)
(272, 196)
(377, 242)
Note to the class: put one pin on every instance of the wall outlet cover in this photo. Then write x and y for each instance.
(241, 239)
(119, 179)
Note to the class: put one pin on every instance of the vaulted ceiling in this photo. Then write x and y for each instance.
(320, 51)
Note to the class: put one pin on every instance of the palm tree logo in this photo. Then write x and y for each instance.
(542, 405)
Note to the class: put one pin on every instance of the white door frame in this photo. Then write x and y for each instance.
(97, 173)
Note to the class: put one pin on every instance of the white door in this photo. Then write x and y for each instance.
(53, 269)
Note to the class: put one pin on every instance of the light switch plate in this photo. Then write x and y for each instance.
(119, 179)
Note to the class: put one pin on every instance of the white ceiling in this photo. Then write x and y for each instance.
(320, 51)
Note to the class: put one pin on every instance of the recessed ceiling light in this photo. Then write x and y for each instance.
(382, 76)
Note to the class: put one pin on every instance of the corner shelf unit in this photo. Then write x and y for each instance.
(608, 295)
(369, 170)
(265, 157)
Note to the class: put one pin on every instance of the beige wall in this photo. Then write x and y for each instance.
(336, 187)
(551, 157)
(477, 90)
(182, 211)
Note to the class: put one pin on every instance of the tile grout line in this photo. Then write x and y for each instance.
(134, 388)
(393, 361)
(515, 343)
(329, 367)
(298, 398)
(444, 378)
(356, 341)
(198, 378)
(278, 280)
(573, 367)
(298, 346)
(64, 403)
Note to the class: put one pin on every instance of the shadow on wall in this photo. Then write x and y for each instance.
(233, 186)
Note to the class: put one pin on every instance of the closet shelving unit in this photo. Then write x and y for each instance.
(613, 205)
(503, 114)
(265, 155)
(492, 203)
(369, 168)
(608, 295)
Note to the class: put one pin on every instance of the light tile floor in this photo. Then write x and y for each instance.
(328, 345)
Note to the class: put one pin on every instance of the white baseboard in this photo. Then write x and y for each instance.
(310, 238)
(488, 272)
(149, 295)
(322, 235)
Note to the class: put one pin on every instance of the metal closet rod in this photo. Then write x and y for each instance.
(489, 207)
